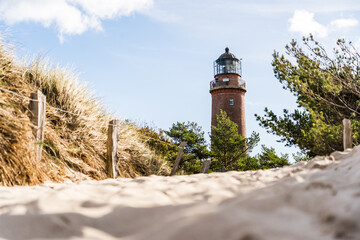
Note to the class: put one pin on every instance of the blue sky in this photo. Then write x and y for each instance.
(151, 60)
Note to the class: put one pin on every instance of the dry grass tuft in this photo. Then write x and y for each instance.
(74, 144)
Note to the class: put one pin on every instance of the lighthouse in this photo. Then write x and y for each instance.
(228, 90)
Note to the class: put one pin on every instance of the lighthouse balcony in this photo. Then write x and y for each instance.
(224, 84)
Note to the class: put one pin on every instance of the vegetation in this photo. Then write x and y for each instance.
(228, 147)
(75, 139)
(265, 160)
(327, 88)
(196, 148)
(74, 147)
(166, 143)
(268, 158)
(158, 141)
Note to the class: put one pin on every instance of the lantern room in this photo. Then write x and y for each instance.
(227, 63)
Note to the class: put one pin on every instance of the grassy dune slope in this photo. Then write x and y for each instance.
(75, 144)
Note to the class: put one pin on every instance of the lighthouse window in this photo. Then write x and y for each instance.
(231, 102)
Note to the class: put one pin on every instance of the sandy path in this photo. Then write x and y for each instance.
(315, 200)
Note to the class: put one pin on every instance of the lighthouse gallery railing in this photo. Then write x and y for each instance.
(215, 84)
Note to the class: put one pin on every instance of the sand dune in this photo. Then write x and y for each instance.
(315, 200)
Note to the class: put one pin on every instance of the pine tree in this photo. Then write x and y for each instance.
(327, 87)
(228, 147)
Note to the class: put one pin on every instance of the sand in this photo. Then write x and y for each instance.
(318, 200)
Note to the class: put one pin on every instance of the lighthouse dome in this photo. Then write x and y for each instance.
(227, 63)
(227, 55)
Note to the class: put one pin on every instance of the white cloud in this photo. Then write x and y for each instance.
(344, 23)
(107, 9)
(303, 22)
(69, 16)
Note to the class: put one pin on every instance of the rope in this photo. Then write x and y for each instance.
(160, 140)
(76, 114)
(61, 110)
(17, 94)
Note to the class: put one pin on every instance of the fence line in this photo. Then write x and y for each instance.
(112, 157)
(347, 138)
(205, 167)
(178, 158)
(37, 108)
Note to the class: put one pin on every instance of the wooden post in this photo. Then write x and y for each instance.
(347, 138)
(205, 166)
(38, 110)
(112, 145)
(178, 158)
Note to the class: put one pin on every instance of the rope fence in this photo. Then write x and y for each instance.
(37, 107)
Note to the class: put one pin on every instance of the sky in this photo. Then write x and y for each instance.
(152, 60)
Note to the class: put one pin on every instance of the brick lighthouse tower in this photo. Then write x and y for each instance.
(228, 90)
